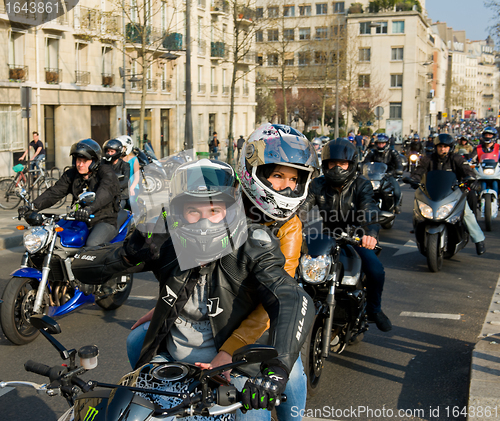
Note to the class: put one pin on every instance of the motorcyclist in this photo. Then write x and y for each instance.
(416, 145)
(113, 152)
(463, 144)
(444, 159)
(87, 174)
(390, 157)
(488, 143)
(200, 306)
(344, 197)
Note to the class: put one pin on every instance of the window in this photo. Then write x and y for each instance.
(52, 53)
(259, 59)
(272, 59)
(396, 81)
(289, 34)
(304, 58)
(364, 28)
(398, 27)
(364, 81)
(259, 12)
(320, 57)
(380, 27)
(107, 61)
(272, 35)
(259, 36)
(321, 8)
(289, 11)
(321, 33)
(273, 12)
(164, 17)
(289, 59)
(395, 109)
(338, 7)
(305, 10)
(364, 54)
(304, 33)
(397, 54)
(16, 48)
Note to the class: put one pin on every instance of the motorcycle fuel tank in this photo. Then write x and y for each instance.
(74, 233)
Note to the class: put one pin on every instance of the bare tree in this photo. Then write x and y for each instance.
(266, 104)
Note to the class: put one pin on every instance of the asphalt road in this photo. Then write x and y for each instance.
(421, 367)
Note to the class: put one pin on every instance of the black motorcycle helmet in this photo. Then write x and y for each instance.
(444, 139)
(486, 141)
(88, 149)
(205, 182)
(339, 149)
(115, 145)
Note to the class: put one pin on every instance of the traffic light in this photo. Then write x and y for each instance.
(439, 115)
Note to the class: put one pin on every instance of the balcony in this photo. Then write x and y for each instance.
(18, 73)
(107, 80)
(225, 90)
(86, 20)
(82, 78)
(173, 42)
(217, 49)
(53, 76)
(166, 85)
(214, 89)
(246, 16)
(134, 33)
(219, 7)
(202, 4)
(111, 27)
(151, 84)
(202, 88)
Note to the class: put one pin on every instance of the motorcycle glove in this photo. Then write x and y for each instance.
(475, 185)
(22, 211)
(264, 392)
(143, 245)
(83, 214)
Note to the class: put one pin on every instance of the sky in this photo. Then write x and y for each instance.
(470, 15)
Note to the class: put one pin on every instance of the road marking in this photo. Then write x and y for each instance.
(430, 315)
(409, 247)
(142, 297)
(6, 390)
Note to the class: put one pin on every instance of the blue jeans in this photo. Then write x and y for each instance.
(375, 279)
(476, 234)
(101, 233)
(36, 162)
(296, 388)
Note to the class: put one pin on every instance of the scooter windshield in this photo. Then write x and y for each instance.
(150, 151)
(438, 184)
(374, 170)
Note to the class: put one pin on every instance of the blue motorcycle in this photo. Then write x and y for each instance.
(45, 284)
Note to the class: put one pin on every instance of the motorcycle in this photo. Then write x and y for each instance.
(152, 392)
(45, 284)
(488, 174)
(152, 171)
(171, 163)
(383, 190)
(438, 217)
(413, 160)
(330, 272)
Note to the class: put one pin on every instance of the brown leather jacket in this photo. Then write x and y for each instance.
(251, 329)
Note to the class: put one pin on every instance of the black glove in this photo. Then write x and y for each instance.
(83, 214)
(475, 185)
(265, 392)
(143, 245)
(22, 211)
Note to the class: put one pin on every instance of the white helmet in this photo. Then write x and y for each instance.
(127, 143)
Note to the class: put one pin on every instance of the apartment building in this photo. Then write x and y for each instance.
(87, 79)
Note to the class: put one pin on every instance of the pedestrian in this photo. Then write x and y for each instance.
(214, 146)
(239, 145)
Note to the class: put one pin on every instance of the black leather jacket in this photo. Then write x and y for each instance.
(238, 282)
(352, 206)
(121, 168)
(104, 183)
(453, 162)
(390, 157)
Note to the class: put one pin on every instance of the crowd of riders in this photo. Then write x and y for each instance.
(214, 298)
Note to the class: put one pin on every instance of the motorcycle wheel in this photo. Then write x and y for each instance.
(121, 288)
(159, 184)
(434, 256)
(388, 225)
(487, 212)
(311, 357)
(17, 307)
(148, 184)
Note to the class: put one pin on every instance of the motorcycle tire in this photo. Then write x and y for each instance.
(434, 256)
(159, 184)
(312, 358)
(120, 294)
(388, 225)
(17, 307)
(148, 184)
(487, 212)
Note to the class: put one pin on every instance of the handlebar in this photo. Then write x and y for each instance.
(37, 368)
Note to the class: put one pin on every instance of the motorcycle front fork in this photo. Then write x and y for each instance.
(327, 327)
(37, 307)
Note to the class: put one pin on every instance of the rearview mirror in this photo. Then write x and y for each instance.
(86, 198)
(39, 321)
(255, 353)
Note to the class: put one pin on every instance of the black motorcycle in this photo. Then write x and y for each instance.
(330, 272)
(152, 171)
(152, 392)
(172, 162)
(438, 217)
(383, 190)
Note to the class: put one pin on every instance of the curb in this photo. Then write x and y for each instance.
(484, 388)
(10, 242)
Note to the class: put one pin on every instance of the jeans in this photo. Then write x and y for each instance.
(36, 162)
(494, 185)
(296, 388)
(476, 234)
(215, 152)
(101, 233)
(375, 278)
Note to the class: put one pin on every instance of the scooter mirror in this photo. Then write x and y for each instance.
(255, 353)
(39, 321)
(86, 198)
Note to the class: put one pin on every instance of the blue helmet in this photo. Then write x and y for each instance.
(382, 138)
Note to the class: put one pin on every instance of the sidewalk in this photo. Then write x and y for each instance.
(10, 237)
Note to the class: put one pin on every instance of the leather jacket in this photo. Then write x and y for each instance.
(237, 282)
(453, 162)
(104, 183)
(120, 167)
(353, 205)
(390, 157)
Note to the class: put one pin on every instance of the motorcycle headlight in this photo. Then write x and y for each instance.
(315, 269)
(445, 210)
(425, 210)
(489, 171)
(375, 184)
(35, 239)
(413, 157)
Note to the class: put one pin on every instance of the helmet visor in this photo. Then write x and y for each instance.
(343, 151)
